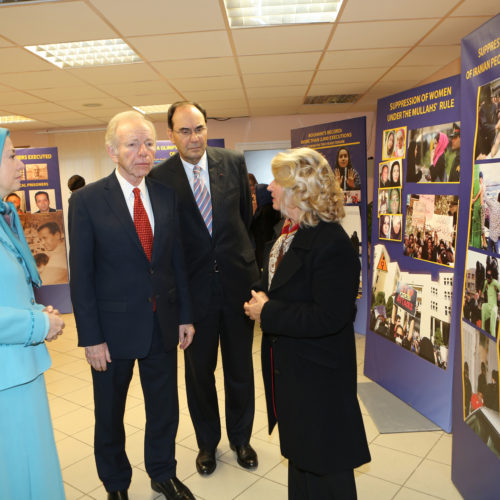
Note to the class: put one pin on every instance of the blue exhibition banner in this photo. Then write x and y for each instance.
(417, 228)
(343, 144)
(39, 204)
(476, 420)
(166, 149)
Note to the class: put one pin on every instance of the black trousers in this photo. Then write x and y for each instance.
(304, 485)
(158, 374)
(234, 331)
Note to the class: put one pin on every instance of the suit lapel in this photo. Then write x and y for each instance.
(216, 185)
(293, 260)
(117, 204)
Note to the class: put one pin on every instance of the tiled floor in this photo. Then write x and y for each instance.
(414, 466)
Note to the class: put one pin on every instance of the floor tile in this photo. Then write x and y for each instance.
(409, 494)
(82, 475)
(280, 473)
(435, 479)
(72, 450)
(263, 489)
(74, 421)
(416, 443)
(441, 452)
(374, 488)
(391, 465)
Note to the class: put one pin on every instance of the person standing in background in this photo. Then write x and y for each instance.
(216, 212)
(131, 302)
(29, 465)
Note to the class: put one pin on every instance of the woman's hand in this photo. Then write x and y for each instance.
(56, 324)
(254, 306)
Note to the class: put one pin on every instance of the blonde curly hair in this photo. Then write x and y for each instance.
(309, 185)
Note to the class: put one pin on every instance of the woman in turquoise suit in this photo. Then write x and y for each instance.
(29, 466)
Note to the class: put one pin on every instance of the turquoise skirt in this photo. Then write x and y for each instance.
(29, 465)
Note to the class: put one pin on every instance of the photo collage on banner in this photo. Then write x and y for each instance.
(476, 418)
(414, 238)
(39, 205)
(343, 144)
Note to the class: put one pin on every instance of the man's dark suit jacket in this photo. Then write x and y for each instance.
(311, 369)
(229, 251)
(113, 284)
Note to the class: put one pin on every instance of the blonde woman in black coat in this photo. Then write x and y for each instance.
(305, 303)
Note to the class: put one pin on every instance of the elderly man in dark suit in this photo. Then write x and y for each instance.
(215, 208)
(131, 302)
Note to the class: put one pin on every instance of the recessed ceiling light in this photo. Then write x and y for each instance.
(152, 110)
(86, 54)
(245, 13)
(15, 119)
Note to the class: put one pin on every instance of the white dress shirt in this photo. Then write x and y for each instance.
(203, 164)
(128, 193)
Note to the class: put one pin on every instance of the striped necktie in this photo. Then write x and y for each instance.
(202, 197)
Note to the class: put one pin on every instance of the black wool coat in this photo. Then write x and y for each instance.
(309, 353)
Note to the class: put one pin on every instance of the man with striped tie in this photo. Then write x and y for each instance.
(215, 207)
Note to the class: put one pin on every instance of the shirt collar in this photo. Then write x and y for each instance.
(202, 163)
(128, 188)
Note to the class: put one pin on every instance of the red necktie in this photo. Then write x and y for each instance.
(142, 225)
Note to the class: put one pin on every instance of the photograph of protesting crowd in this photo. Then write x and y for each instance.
(431, 227)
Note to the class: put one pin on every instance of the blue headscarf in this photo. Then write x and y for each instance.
(15, 231)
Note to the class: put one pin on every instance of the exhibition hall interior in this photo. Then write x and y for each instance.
(268, 84)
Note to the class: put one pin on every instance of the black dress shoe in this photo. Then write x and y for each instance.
(173, 489)
(247, 457)
(118, 495)
(205, 462)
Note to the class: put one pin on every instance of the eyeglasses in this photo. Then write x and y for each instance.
(187, 132)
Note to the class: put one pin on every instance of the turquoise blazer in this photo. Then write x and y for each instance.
(23, 325)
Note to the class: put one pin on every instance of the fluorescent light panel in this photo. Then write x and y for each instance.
(152, 110)
(86, 54)
(14, 119)
(245, 13)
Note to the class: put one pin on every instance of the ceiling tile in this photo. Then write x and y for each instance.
(105, 103)
(475, 8)
(53, 23)
(183, 46)
(368, 58)
(431, 56)
(411, 74)
(338, 88)
(137, 72)
(206, 83)
(190, 68)
(275, 63)
(161, 17)
(150, 99)
(137, 88)
(40, 80)
(282, 78)
(202, 96)
(64, 115)
(324, 108)
(13, 60)
(450, 31)
(5, 43)
(281, 91)
(380, 34)
(281, 39)
(33, 108)
(17, 98)
(361, 10)
(68, 93)
(274, 110)
(349, 75)
(230, 112)
(275, 101)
